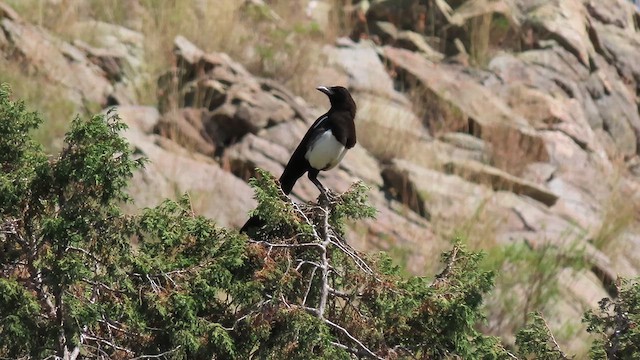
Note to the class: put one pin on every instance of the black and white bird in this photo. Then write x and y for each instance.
(322, 147)
(325, 143)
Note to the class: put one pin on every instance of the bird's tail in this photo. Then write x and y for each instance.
(289, 178)
(252, 223)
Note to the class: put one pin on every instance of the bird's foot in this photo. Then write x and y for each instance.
(327, 196)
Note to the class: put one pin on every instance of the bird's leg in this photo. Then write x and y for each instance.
(313, 176)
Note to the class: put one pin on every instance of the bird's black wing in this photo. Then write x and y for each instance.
(298, 164)
(343, 128)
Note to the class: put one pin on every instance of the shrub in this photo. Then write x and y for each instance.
(81, 279)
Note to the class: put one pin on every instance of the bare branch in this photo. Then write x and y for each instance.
(553, 339)
(447, 269)
(83, 251)
(512, 356)
(104, 286)
(306, 294)
(352, 338)
(353, 255)
(341, 294)
(324, 290)
(305, 262)
(106, 342)
(157, 356)
(288, 246)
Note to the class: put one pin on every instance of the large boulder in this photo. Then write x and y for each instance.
(56, 60)
(172, 170)
(564, 21)
(232, 102)
(385, 120)
(90, 75)
(488, 117)
(620, 46)
(548, 87)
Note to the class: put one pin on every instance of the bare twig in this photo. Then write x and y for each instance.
(107, 342)
(286, 246)
(306, 294)
(447, 269)
(352, 338)
(553, 339)
(324, 291)
(83, 251)
(322, 240)
(157, 356)
(10, 228)
(338, 293)
(512, 356)
(307, 262)
(350, 252)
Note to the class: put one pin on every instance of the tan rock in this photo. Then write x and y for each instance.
(500, 181)
(491, 118)
(415, 42)
(46, 55)
(141, 118)
(566, 22)
(615, 12)
(172, 171)
(236, 102)
(187, 127)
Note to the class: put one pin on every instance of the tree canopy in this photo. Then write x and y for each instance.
(82, 279)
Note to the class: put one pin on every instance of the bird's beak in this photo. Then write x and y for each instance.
(325, 90)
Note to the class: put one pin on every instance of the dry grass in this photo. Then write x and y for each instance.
(208, 23)
(382, 142)
(480, 35)
(385, 130)
(489, 34)
(56, 111)
(279, 43)
(438, 115)
(534, 279)
(481, 229)
(620, 214)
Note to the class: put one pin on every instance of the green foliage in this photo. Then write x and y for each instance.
(81, 279)
(528, 281)
(367, 306)
(445, 310)
(278, 214)
(616, 324)
(536, 340)
(19, 323)
(353, 205)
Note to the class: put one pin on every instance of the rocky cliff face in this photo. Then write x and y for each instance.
(539, 146)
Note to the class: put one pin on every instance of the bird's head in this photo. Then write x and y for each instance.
(340, 98)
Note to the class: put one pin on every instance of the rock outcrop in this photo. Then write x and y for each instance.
(91, 76)
(172, 170)
(258, 123)
(540, 146)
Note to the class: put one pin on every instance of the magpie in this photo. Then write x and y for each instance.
(323, 146)
(325, 143)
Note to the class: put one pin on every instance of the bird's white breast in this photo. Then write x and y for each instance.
(325, 152)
